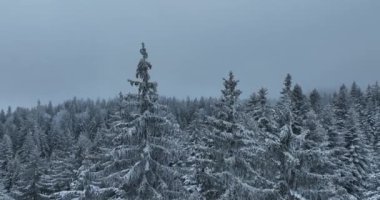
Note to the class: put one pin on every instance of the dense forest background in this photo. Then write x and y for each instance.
(143, 146)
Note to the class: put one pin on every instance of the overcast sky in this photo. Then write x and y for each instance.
(57, 49)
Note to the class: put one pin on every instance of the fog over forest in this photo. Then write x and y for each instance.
(53, 50)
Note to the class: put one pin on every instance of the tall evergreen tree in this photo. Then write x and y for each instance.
(6, 150)
(6, 158)
(340, 111)
(340, 138)
(260, 110)
(299, 108)
(284, 105)
(26, 185)
(300, 150)
(142, 164)
(355, 156)
(3, 117)
(226, 161)
(372, 128)
(228, 101)
(315, 101)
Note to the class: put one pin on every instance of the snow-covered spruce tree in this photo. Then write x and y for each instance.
(258, 108)
(355, 157)
(356, 95)
(358, 104)
(340, 138)
(315, 101)
(94, 156)
(259, 118)
(6, 155)
(41, 126)
(194, 146)
(282, 151)
(143, 162)
(225, 163)
(313, 174)
(28, 160)
(299, 108)
(372, 111)
(58, 171)
(373, 190)
(283, 107)
(6, 158)
(340, 108)
(300, 149)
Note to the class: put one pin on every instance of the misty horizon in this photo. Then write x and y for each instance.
(53, 51)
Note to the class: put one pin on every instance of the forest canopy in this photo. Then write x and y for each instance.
(145, 146)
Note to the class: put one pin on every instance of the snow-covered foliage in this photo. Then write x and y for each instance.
(142, 146)
(224, 154)
(143, 161)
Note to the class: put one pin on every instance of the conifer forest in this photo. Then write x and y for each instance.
(141, 145)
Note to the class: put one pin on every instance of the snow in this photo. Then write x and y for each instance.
(297, 195)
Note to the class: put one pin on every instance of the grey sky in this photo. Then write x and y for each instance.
(57, 49)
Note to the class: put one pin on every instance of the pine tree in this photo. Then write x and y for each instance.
(372, 128)
(6, 150)
(300, 150)
(6, 158)
(340, 114)
(3, 117)
(356, 93)
(142, 165)
(298, 109)
(355, 156)
(225, 168)
(284, 105)
(56, 167)
(229, 99)
(281, 151)
(260, 110)
(315, 101)
(343, 139)
(26, 185)
(373, 189)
